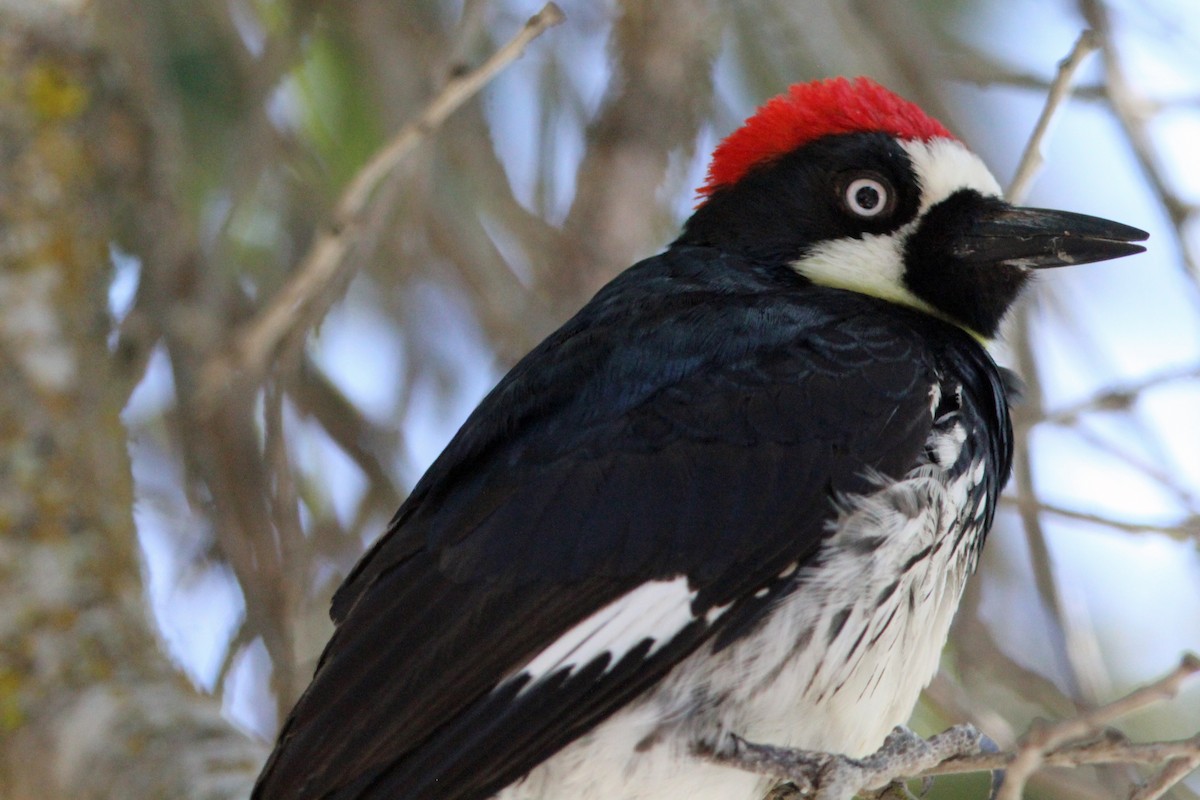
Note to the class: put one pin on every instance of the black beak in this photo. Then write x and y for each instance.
(971, 254)
(1038, 238)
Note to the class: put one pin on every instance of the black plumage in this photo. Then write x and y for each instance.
(698, 417)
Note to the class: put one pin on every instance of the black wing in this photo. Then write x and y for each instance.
(673, 428)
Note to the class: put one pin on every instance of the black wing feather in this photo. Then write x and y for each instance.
(681, 424)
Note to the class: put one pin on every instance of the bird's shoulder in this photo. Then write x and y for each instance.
(689, 358)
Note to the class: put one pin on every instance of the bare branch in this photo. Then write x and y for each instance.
(662, 70)
(457, 92)
(1109, 748)
(1132, 113)
(284, 513)
(1041, 739)
(980, 69)
(1122, 397)
(307, 294)
(829, 776)
(358, 437)
(1175, 771)
(1147, 466)
(1035, 537)
(1183, 529)
(1033, 158)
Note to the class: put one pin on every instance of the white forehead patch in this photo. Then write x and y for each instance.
(944, 166)
(874, 264)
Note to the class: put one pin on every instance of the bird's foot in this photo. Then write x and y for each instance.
(828, 776)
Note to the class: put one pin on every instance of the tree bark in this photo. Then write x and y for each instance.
(90, 706)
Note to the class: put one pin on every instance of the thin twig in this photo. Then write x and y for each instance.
(1162, 689)
(288, 533)
(1149, 467)
(307, 294)
(1120, 398)
(1043, 738)
(1033, 158)
(1040, 561)
(345, 423)
(1107, 749)
(1179, 530)
(1133, 112)
(1084, 740)
(1162, 782)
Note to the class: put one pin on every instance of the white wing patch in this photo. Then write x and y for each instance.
(656, 610)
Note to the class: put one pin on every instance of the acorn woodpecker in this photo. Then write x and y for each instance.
(734, 499)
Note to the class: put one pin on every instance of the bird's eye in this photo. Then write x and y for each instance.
(867, 197)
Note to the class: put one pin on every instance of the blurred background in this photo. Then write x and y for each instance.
(166, 562)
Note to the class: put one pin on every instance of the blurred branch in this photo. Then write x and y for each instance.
(1041, 739)
(659, 91)
(1167, 777)
(357, 436)
(242, 638)
(913, 57)
(260, 142)
(1120, 398)
(1165, 477)
(1035, 537)
(514, 316)
(950, 701)
(307, 294)
(978, 68)
(1105, 746)
(1186, 528)
(979, 656)
(284, 514)
(1033, 158)
(1132, 113)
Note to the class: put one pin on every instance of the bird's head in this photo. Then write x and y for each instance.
(856, 188)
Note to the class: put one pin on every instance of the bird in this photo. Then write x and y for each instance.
(734, 499)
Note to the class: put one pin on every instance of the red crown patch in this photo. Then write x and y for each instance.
(809, 111)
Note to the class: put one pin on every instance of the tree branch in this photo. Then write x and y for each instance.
(1039, 552)
(1184, 529)
(1132, 112)
(662, 71)
(1111, 747)
(1120, 398)
(309, 292)
(1033, 158)
(1175, 771)
(1043, 738)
